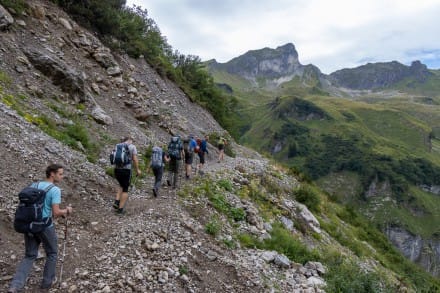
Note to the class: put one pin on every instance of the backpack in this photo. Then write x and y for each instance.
(174, 148)
(187, 147)
(156, 158)
(198, 145)
(120, 155)
(29, 213)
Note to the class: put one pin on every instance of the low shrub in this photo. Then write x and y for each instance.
(225, 184)
(213, 227)
(308, 196)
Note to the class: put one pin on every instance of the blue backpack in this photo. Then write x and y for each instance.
(156, 157)
(120, 155)
(29, 213)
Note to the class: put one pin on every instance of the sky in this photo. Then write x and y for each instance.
(330, 34)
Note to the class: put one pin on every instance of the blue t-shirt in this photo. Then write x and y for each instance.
(192, 144)
(53, 196)
(204, 146)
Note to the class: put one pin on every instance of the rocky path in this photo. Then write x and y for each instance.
(154, 246)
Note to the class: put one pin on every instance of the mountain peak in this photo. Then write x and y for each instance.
(288, 48)
(275, 66)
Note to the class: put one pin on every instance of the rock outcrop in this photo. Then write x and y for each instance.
(378, 75)
(268, 67)
(423, 251)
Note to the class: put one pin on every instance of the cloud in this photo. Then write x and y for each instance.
(329, 34)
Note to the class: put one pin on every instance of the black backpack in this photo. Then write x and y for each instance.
(174, 148)
(120, 155)
(29, 213)
(187, 147)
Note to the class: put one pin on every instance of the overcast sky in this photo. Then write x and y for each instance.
(331, 34)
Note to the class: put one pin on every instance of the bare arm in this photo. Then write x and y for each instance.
(136, 164)
(57, 212)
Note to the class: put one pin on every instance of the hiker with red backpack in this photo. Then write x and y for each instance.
(35, 233)
(123, 155)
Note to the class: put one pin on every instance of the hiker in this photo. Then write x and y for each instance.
(189, 146)
(48, 237)
(203, 148)
(175, 153)
(221, 144)
(158, 159)
(123, 170)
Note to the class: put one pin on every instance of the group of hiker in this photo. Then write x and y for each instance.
(177, 151)
(40, 201)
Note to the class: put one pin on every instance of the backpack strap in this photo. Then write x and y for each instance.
(49, 188)
(36, 184)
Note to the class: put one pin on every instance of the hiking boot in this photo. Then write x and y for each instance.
(120, 211)
(168, 182)
(154, 192)
(116, 204)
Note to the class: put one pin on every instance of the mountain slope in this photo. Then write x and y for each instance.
(247, 225)
(372, 144)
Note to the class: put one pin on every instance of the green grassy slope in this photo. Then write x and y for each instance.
(386, 136)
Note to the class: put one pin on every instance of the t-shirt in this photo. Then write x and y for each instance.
(133, 152)
(192, 144)
(53, 196)
(204, 146)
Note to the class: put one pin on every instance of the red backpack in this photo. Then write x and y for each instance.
(199, 143)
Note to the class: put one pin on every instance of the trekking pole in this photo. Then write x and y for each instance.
(64, 251)
(133, 182)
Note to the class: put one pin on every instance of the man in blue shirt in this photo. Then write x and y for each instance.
(54, 174)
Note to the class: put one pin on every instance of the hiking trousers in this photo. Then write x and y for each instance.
(158, 173)
(31, 243)
(173, 173)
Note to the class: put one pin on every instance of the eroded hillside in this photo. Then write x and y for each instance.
(66, 98)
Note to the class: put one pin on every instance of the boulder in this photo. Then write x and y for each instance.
(6, 18)
(100, 116)
(64, 22)
(104, 58)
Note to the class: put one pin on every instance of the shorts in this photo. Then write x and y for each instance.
(221, 147)
(201, 157)
(123, 176)
(189, 159)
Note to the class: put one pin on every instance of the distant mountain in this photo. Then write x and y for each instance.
(379, 75)
(271, 68)
(376, 149)
(267, 67)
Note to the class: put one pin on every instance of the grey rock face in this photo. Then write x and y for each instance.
(6, 18)
(274, 66)
(425, 252)
(378, 75)
(61, 74)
